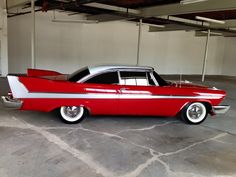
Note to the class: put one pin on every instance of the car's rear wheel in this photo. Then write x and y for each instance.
(194, 113)
(72, 114)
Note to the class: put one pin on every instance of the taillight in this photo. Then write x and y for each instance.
(10, 94)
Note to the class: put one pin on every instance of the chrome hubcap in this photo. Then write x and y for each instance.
(195, 111)
(72, 111)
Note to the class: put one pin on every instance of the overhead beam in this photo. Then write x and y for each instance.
(228, 24)
(88, 1)
(105, 17)
(177, 9)
(15, 3)
(119, 13)
(113, 8)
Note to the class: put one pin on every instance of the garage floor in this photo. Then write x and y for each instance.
(34, 144)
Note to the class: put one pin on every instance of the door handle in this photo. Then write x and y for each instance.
(123, 89)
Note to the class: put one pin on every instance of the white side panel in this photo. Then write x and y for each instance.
(17, 88)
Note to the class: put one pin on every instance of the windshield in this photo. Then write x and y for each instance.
(77, 75)
(160, 81)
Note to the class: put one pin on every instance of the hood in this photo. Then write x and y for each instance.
(186, 84)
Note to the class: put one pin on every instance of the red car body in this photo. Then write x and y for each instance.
(42, 90)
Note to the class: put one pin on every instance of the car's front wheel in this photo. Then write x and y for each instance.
(194, 113)
(72, 114)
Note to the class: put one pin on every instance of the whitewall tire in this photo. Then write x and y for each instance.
(194, 113)
(72, 114)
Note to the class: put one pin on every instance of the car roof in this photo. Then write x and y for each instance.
(102, 68)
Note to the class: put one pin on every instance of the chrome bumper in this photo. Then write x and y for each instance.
(11, 103)
(220, 109)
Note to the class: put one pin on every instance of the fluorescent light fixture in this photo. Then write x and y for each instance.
(75, 21)
(158, 26)
(184, 2)
(213, 33)
(232, 29)
(210, 20)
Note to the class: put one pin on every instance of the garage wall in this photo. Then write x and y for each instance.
(68, 46)
(229, 57)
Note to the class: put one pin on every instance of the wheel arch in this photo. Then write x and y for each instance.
(205, 102)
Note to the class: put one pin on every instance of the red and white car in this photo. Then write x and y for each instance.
(112, 90)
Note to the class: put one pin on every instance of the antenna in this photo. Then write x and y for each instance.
(180, 77)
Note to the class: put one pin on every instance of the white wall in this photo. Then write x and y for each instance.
(229, 65)
(66, 47)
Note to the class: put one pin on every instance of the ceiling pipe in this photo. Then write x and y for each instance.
(184, 2)
(155, 25)
(210, 20)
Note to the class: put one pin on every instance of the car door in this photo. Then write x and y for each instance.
(137, 94)
(103, 91)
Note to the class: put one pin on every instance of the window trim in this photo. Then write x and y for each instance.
(154, 79)
(146, 73)
(83, 80)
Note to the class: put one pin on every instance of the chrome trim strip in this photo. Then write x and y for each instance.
(93, 74)
(20, 91)
(109, 96)
(98, 69)
(221, 109)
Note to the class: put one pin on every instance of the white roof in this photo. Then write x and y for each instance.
(101, 68)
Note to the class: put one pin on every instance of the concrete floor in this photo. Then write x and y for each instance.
(34, 144)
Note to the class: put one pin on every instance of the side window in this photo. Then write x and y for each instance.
(105, 78)
(134, 78)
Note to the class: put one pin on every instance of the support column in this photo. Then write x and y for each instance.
(139, 40)
(3, 38)
(33, 63)
(205, 55)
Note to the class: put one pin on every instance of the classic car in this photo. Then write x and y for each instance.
(112, 90)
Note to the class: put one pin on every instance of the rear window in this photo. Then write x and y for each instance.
(77, 75)
(105, 78)
(160, 81)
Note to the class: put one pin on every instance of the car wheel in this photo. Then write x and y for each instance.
(194, 113)
(72, 114)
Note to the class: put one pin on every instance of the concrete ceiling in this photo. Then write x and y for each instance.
(171, 13)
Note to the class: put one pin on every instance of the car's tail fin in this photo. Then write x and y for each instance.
(18, 90)
(40, 72)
